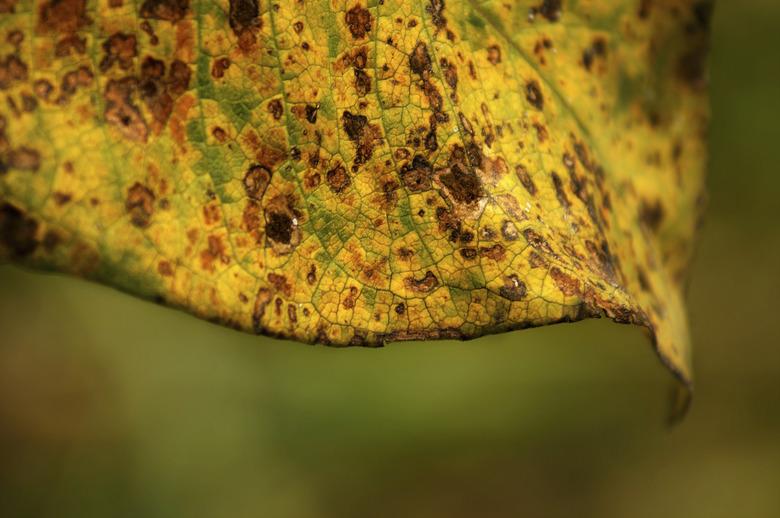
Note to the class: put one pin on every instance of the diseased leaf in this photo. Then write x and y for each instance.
(347, 172)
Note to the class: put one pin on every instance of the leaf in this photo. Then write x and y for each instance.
(345, 173)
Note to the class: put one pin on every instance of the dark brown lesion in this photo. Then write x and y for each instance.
(533, 94)
(513, 289)
(549, 9)
(362, 82)
(71, 82)
(651, 214)
(568, 285)
(244, 14)
(420, 60)
(121, 111)
(71, 43)
(263, 297)
(8, 6)
(364, 135)
(560, 193)
(494, 54)
(538, 242)
(24, 158)
(338, 179)
(416, 175)
(525, 179)
(120, 48)
(460, 177)
(596, 50)
(276, 109)
(256, 180)
(12, 70)
(496, 252)
(215, 251)
(436, 9)
(63, 16)
(359, 21)
(281, 222)
(168, 10)
(279, 227)
(139, 204)
(424, 285)
(18, 231)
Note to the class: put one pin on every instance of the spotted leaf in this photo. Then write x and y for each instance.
(352, 172)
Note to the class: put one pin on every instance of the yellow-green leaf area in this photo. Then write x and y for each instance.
(352, 172)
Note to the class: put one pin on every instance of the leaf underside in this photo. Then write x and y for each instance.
(344, 172)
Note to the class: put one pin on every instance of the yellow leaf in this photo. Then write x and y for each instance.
(345, 172)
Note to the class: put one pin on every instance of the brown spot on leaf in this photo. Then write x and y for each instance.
(70, 43)
(43, 89)
(424, 285)
(539, 243)
(513, 289)
(597, 49)
(279, 227)
(244, 15)
(12, 69)
(61, 198)
(354, 125)
(169, 10)
(497, 252)
(264, 296)
(179, 75)
(651, 214)
(417, 174)
(310, 112)
(218, 68)
(450, 72)
(533, 94)
(121, 112)
(23, 158)
(338, 179)
(281, 284)
(7, 6)
(164, 268)
(119, 48)
(468, 253)
(559, 192)
(362, 82)
(436, 9)
(349, 300)
(140, 205)
(63, 16)
(509, 231)
(461, 181)
(525, 179)
(152, 90)
(256, 181)
(276, 109)
(364, 135)
(568, 285)
(550, 9)
(312, 180)
(420, 60)
(494, 54)
(17, 231)
(359, 21)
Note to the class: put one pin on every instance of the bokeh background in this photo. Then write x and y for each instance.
(110, 406)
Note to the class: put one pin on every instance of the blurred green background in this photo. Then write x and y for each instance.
(110, 406)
